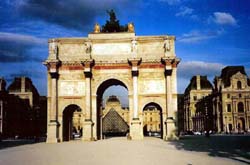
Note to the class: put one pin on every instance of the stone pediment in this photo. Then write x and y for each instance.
(238, 76)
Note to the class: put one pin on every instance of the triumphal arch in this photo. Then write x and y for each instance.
(81, 69)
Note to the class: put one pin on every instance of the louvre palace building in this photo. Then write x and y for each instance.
(222, 108)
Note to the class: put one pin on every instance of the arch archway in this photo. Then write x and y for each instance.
(70, 113)
(239, 85)
(99, 101)
(240, 107)
(152, 120)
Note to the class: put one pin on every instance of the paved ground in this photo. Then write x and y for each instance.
(117, 151)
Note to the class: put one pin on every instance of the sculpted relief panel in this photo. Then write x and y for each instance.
(71, 88)
(72, 52)
(111, 48)
(152, 87)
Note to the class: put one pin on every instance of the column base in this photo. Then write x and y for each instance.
(136, 132)
(52, 133)
(88, 131)
(171, 130)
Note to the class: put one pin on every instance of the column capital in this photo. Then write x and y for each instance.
(170, 61)
(176, 62)
(167, 60)
(134, 61)
(52, 65)
(88, 64)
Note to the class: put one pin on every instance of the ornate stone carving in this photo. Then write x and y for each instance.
(134, 46)
(88, 47)
(97, 28)
(52, 65)
(71, 88)
(53, 47)
(167, 45)
(131, 27)
(152, 87)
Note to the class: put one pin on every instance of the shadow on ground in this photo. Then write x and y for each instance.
(232, 147)
(14, 143)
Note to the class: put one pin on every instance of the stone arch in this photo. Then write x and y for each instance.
(99, 94)
(241, 124)
(124, 81)
(67, 122)
(152, 119)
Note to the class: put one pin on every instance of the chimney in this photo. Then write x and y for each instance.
(2, 84)
(198, 82)
(22, 84)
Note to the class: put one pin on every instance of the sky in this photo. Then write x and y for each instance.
(210, 34)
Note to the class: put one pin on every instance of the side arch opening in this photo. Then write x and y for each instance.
(152, 120)
(72, 122)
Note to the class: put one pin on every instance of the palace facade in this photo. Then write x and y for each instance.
(232, 100)
(198, 88)
(223, 108)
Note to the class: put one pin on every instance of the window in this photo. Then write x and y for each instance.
(195, 98)
(228, 96)
(239, 85)
(240, 107)
(150, 118)
(239, 95)
(230, 126)
(228, 107)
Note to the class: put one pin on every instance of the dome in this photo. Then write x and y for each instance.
(113, 99)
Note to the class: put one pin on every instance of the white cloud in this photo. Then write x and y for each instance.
(21, 38)
(171, 2)
(222, 18)
(184, 11)
(16, 47)
(198, 36)
(191, 68)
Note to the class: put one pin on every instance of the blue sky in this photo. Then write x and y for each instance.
(210, 34)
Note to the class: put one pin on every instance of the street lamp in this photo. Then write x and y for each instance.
(226, 123)
(206, 118)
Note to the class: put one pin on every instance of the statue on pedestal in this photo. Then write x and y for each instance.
(131, 27)
(167, 45)
(97, 28)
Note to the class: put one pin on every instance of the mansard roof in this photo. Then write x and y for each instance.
(229, 71)
(15, 86)
(204, 83)
(113, 99)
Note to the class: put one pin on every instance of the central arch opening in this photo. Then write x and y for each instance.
(112, 109)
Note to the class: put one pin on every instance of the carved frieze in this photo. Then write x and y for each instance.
(152, 86)
(111, 48)
(71, 88)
